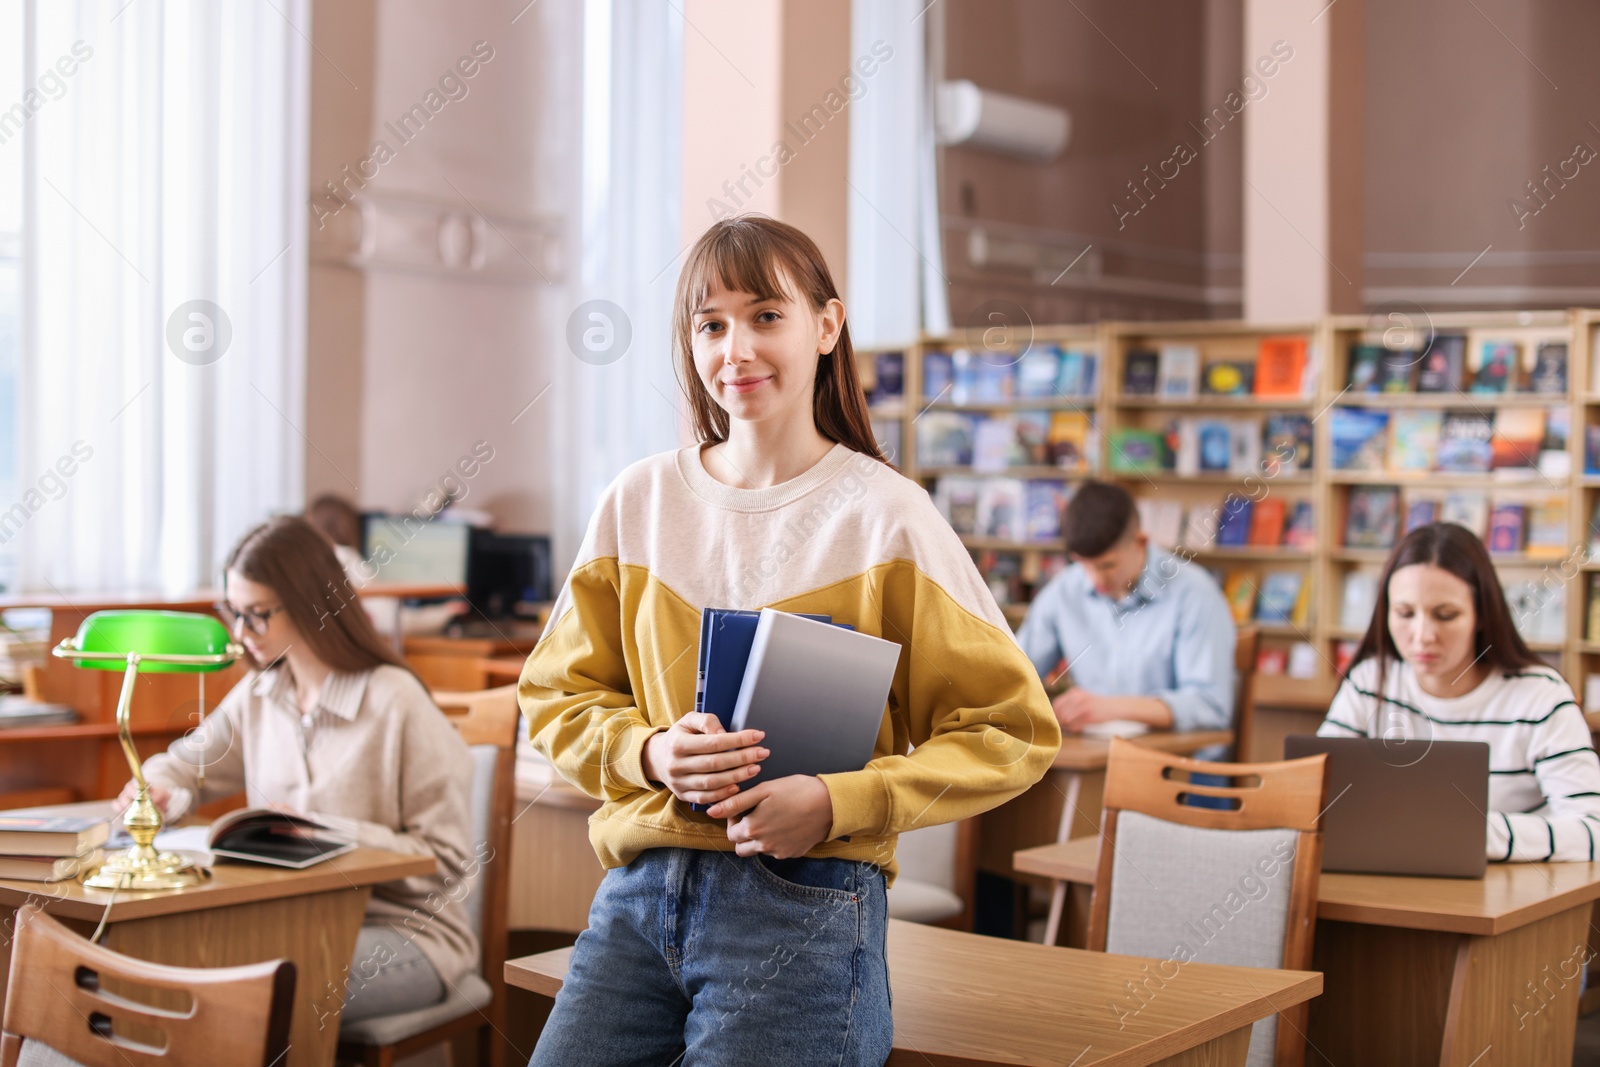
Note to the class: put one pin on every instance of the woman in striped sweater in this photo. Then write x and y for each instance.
(1442, 661)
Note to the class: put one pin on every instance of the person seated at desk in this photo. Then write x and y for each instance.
(332, 724)
(1146, 637)
(1442, 661)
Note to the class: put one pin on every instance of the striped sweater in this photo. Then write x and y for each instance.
(1544, 776)
(967, 725)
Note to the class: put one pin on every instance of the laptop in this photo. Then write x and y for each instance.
(1402, 807)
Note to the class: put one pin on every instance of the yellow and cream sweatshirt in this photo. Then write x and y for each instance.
(967, 725)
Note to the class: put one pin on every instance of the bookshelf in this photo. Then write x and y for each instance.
(1016, 565)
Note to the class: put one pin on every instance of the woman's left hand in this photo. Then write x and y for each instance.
(791, 815)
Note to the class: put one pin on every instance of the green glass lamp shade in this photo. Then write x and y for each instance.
(152, 633)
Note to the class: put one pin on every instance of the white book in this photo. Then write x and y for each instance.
(1178, 373)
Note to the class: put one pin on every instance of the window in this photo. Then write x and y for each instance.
(11, 141)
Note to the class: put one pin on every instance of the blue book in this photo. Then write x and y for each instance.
(1234, 530)
(726, 636)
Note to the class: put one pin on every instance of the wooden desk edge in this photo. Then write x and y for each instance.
(1080, 753)
(369, 867)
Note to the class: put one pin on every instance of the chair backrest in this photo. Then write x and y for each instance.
(1186, 884)
(57, 997)
(1246, 651)
(487, 721)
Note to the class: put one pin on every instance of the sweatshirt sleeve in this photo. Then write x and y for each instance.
(575, 689)
(977, 715)
(212, 753)
(1564, 827)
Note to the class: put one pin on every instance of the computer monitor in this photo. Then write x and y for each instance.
(416, 551)
(504, 570)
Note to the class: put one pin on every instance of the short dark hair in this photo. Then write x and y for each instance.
(1098, 516)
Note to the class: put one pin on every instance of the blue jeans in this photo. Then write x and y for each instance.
(700, 959)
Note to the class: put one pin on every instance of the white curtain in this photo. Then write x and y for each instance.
(897, 285)
(172, 169)
(614, 409)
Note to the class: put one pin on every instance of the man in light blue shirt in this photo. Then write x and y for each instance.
(1145, 636)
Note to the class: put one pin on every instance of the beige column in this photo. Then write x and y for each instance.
(765, 116)
(1303, 160)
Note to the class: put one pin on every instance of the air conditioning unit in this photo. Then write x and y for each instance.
(982, 118)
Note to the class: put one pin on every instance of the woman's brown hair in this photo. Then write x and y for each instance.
(1457, 550)
(768, 259)
(289, 556)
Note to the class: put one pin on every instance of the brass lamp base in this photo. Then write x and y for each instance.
(143, 868)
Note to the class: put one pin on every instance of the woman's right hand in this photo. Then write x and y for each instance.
(160, 796)
(699, 761)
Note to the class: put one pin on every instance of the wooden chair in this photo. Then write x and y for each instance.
(56, 997)
(487, 721)
(1245, 652)
(1171, 874)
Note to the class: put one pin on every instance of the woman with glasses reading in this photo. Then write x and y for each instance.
(1442, 661)
(330, 724)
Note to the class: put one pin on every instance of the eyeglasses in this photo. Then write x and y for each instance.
(256, 621)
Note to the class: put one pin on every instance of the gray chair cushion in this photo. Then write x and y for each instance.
(920, 902)
(482, 806)
(1189, 894)
(37, 1055)
(471, 993)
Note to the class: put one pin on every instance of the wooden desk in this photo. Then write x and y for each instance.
(963, 1000)
(1066, 802)
(461, 664)
(1428, 970)
(245, 913)
(553, 865)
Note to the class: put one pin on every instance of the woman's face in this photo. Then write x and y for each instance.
(758, 358)
(1433, 623)
(250, 601)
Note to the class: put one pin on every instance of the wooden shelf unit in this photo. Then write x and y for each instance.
(1328, 490)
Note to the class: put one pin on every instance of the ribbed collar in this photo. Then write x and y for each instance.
(713, 492)
(341, 694)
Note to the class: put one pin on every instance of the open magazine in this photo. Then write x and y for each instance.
(262, 835)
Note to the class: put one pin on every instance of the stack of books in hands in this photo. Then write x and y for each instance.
(52, 844)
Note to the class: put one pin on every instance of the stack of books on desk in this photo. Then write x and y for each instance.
(19, 711)
(51, 844)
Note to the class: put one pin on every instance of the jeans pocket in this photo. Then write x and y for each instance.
(809, 893)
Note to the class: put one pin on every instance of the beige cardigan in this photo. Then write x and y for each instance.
(383, 764)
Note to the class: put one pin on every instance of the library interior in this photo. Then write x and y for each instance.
(781, 532)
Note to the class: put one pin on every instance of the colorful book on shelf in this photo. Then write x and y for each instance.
(1068, 440)
(1244, 441)
(1183, 444)
(1233, 526)
(1030, 442)
(1592, 616)
(1468, 508)
(1215, 438)
(1279, 592)
(937, 376)
(1303, 657)
(956, 497)
(963, 377)
(1267, 521)
(1397, 371)
(1539, 608)
(1420, 511)
(1037, 372)
(1414, 439)
(1517, 438)
(994, 377)
(1464, 440)
(1200, 527)
(1364, 361)
(1281, 367)
(1179, 372)
(1300, 532)
(1077, 377)
(1344, 654)
(1549, 374)
(1507, 525)
(1001, 504)
(1442, 368)
(1240, 591)
(1547, 527)
(944, 439)
(1301, 615)
(1272, 660)
(1497, 367)
(1043, 502)
(1141, 370)
(1228, 377)
(1359, 438)
(1135, 450)
(1288, 443)
(1357, 600)
(1373, 518)
(1555, 461)
(992, 438)
(889, 383)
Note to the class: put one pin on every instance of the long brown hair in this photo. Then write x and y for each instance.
(1457, 550)
(289, 556)
(768, 259)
